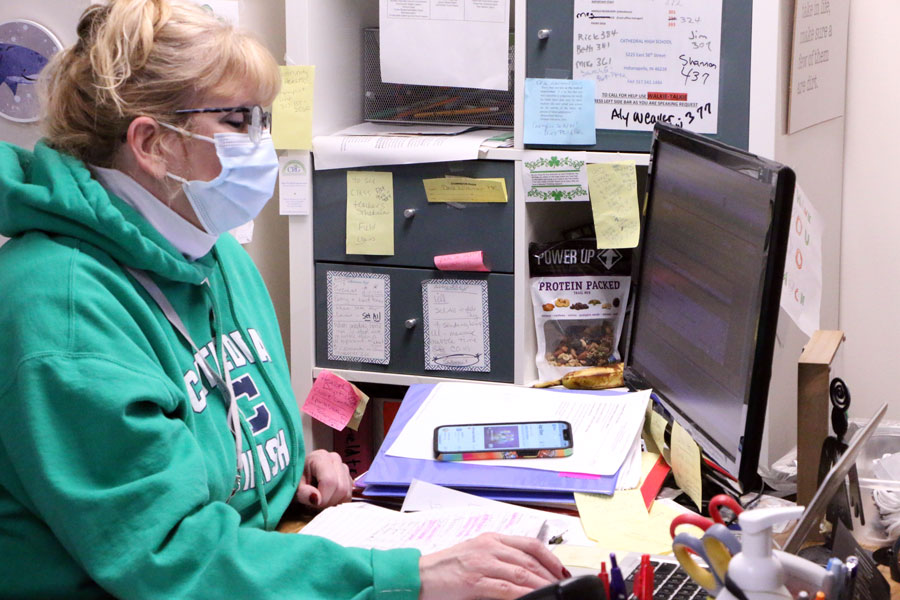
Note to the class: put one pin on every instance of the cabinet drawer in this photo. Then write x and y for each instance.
(432, 229)
(407, 344)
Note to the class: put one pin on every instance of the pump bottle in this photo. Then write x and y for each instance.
(755, 570)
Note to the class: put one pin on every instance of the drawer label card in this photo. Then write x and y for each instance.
(359, 310)
(456, 328)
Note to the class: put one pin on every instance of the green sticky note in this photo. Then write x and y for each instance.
(370, 212)
(614, 204)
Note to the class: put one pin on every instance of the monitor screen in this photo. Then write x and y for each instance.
(707, 290)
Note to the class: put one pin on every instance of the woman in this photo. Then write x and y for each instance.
(150, 441)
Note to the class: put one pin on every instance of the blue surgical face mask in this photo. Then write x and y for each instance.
(239, 192)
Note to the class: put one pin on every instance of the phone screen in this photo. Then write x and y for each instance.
(502, 436)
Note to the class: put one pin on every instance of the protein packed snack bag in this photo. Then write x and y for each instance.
(579, 293)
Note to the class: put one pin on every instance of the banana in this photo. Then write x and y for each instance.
(591, 378)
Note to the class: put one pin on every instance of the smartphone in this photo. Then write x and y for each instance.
(482, 441)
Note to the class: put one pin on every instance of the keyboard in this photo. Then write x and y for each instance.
(670, 582)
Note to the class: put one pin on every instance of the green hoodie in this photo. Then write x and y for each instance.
(116, 461)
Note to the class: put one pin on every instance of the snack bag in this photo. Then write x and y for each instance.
(579, 295)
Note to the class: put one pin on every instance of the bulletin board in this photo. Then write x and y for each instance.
(551, 57)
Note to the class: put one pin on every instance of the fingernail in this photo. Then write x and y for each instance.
(566, 573)
(314, 499)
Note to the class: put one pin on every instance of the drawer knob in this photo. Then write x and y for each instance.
(543, 34)
(410, 323)
(409, 213)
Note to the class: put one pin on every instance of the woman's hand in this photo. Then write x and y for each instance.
(491, 565)
(325, 482)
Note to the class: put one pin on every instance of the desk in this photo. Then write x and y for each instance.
(296, 517)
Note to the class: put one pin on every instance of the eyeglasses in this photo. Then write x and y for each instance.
(255, 119)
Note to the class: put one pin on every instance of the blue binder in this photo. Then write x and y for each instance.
(391, 475)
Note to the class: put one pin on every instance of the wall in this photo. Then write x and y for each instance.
(870, 261)
(269, 248)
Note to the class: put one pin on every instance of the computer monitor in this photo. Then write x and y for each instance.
(707, 287)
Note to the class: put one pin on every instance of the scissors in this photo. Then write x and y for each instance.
(716, 547)
(715, 516)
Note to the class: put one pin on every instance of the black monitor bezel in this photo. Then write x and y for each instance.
(767, 322)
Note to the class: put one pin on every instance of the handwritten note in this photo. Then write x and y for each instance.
(686, 463)
(334, 401)
(818, 62)
(359, 309)
(652, 61)
(466, 189)
(801, 296)
(463, 261)
(292, 109)
(614, 204)
(457, 334)
(370, 212)
(559, 111)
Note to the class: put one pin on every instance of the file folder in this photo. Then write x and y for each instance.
(391, 475)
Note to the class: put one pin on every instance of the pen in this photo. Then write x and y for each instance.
(435, 104)
(850, 568)
(616, 581)
(604, 578)
(647, 579)
(542, 533)
(457, 111)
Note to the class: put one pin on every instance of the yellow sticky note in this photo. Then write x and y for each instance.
(614, 204)
(621, 523)
(370, 212)
(658, 425)
(292, 108)
(466, 189)
(686, 463)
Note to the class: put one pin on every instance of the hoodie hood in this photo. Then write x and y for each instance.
(52, 192)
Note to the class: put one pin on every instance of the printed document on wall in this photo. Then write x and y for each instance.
(652, 61)
(462, 43)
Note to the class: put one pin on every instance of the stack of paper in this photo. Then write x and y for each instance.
(606, 427)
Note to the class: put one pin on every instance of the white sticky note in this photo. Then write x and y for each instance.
(294, 186)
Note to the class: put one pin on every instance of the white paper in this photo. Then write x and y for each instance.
(243, 233)
(456, 327)
(344, 151)
(604, 427)
(818, 62)
(423, 495)
(801, 296)
(461, 43)
(358, 317)
(294, 183)
(630, 473)
(652, 61)
(403, 129)
(364, 525)
(552, 177)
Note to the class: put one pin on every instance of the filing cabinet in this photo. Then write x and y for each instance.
(422, 230)
(404, 321)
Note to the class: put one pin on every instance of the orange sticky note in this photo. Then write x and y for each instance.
(332, 400)
(464, 261)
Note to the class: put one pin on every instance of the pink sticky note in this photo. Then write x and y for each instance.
(332, 400)
(464, 261)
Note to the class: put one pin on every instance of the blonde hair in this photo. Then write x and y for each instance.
(145, 57)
